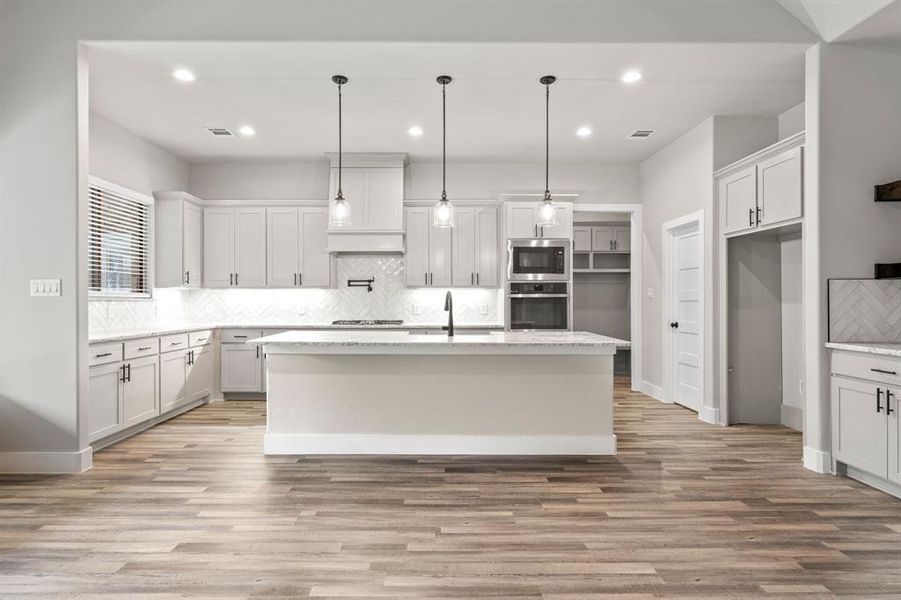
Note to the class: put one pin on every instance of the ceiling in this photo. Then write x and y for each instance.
(495, 104)
(876, 21)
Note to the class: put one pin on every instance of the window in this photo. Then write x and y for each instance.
(119, 233)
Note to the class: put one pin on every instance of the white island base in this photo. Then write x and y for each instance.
(395, 393)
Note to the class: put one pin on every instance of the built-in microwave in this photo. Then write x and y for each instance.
(538, 260)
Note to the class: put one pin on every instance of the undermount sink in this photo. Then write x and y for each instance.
(457, 333)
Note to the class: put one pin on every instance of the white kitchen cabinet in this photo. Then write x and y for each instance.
(315, 260)
(859, 432)
(105, 400)
(602, 238)
(779, 187)
(622, 238)
(178, 240)
(738, 197)
(521, 221)
(375, 193)
(173, 380)
(234, 247)
(297, 247)
(475, 247)
(141, 393)
(564, 226)
(582, 239)
(241, 367)
(428, 253)
(200, 373)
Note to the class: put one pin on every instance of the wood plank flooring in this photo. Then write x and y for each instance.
(192, 509)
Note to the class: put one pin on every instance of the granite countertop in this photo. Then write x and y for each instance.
(398, 342)
(867, 347)
(119, 335)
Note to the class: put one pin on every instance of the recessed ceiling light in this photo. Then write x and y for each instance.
(415, 131)
(184, 75)
(583, 132)
(247, 130)
(631, 77)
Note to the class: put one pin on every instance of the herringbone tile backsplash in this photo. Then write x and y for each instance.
(865, 310)
(389, 299)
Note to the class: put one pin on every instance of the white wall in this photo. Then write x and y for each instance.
(792, 274)
(120, 156)
(791, 121)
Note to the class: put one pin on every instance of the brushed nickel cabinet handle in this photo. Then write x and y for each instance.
(102, 355)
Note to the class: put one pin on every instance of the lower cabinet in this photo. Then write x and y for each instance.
(241, 368)
(105, 400)
(200, 373)
(173, 380)
(141, 396)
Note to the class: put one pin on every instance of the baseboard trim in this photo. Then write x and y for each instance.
(654, 391)
(874, 481)
(710, 415)
(817, 460)
(276, 443)
(792, 417)
(46, 463)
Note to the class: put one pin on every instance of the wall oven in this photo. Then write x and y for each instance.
(538, 260)
(537, 306)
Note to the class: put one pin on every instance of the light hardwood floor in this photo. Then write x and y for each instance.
(193, 509)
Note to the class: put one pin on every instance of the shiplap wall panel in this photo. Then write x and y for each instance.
(601, 305)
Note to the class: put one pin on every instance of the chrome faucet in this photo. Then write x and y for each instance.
(449, 307)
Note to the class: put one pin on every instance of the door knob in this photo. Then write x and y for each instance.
(674, 325)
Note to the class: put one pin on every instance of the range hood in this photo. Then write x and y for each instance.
(374, 187)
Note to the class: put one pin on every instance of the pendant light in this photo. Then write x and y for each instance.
(339, 208)
(443, 210)
(547, 214)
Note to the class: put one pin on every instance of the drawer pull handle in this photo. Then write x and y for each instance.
(884, 371)
(142, 348)
(175, 343)
(102, 355)
(240, 336)
(878, 400)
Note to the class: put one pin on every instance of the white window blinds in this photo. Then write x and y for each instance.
(119, 233)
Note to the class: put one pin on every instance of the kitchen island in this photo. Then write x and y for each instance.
(386, 392)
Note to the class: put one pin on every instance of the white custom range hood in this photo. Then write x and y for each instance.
(373, 185)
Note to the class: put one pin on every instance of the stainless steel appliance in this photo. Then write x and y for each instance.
(538, 260)
(537, 306)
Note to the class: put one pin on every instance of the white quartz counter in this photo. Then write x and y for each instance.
(398, 342)
(867, 348)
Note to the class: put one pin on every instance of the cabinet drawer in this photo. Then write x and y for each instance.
(101, 354)
(239, 336)
(200, 338)
(142, 347)
(176, 341)
(882, 369)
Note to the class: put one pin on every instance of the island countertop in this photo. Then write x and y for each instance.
(394, 342)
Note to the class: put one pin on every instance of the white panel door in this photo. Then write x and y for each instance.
(282, 246)
(520, 221)
(622, 238)
(486, 247)
(141, 395)
(355, 184)
(582, 239)
(193, 245)
(564, 226)
(859, 427)
(200, 373)
(104, 400)
(416, 256)
(439, 255)
(241, 369)
(173, 389)
(250, 247)
(687, 283)
(315, 261)
(385, 199)
(779, 187)
(737, 196)
(464, 247)
(218, 247)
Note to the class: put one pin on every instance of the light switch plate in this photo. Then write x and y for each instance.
(45, 288)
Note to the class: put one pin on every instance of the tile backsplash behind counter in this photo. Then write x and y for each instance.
(865, 310)
(389, 299)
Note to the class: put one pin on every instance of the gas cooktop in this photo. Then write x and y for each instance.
(367, 322)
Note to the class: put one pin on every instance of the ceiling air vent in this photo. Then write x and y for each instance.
(220, 131)
(640, 134)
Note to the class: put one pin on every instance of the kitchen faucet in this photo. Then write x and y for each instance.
(449, 307)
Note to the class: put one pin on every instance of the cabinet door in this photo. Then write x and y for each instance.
(141, 392)
(464, 247)
(564, 226)
(486, 247)
(218, 247)
(859, 432)
(282, 244)
(416, 257)
(193, 244)
(104, 400)
(737, 196)
(250, 247)
(439, 255)
(779, 187)
(200, 373)
(520, 221)
(385, 199)
(173, 389)
(582, 239)
(355, 184)
(241, 368)
(622, 238)
(315, 261)
(602, 239)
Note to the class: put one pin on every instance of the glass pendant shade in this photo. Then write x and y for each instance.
(547, 213)
(443, 214)
(339, 212)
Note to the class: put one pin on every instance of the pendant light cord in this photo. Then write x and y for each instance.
(444, 141)
(547, 140)
(340, 149)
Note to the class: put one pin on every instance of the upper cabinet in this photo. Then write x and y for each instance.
(521, 221)
(602, 238)
(475, 247)
(428, 253)
(297, 247)
(234, 247)
(178, 243)
(764, 189)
